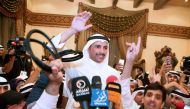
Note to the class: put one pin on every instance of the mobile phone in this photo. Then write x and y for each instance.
(168, 60)
(121, 61)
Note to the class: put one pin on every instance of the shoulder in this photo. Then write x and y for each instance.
(113, 71)
(111, 68)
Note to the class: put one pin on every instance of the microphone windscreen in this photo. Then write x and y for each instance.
(99, 98)
(114, 92)
(81, 89)
(96, 82)
(180, 105)
(111, 78)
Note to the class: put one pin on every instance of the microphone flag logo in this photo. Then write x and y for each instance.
(99, 98)
(80, 84)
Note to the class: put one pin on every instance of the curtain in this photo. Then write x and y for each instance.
(117, 24)
(12, 19)
(7, 29)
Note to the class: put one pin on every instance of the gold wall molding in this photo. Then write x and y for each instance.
(169, 30)
(52, 20)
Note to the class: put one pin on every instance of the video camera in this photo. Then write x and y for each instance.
(17, 44)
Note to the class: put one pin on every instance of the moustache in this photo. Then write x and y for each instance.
(101, 54)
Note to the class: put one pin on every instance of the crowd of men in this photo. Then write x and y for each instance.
(89, 82)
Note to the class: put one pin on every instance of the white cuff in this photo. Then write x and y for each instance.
(56, 41)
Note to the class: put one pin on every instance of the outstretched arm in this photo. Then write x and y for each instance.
(49, 97)
(132, 52)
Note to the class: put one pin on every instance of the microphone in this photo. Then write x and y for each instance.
(81, 91)
(96, 82)
(180, 105)
(99, 97)
(111, 78)
(114, 94)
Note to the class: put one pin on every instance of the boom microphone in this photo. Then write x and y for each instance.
(114, 94)
(81, 91)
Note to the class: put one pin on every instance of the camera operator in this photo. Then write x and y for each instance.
(4, 68)
(21, 62)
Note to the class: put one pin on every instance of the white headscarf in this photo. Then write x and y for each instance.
(4, 82)
(90, 42)
(137, 90)
(173, 73)
(186, 98)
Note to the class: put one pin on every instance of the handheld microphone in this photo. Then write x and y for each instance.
(111, 78)
(114, 94)
(180, 105)
(81, 91)
(96, 82)
(99, 97)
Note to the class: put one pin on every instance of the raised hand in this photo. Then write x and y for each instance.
(133, 50)
(56, 76)
(80, 20)
(78, 24)
(165, 68)
(153, 77)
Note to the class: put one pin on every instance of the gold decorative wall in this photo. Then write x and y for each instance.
(169, 30)
(43, 19)
(65, 21)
